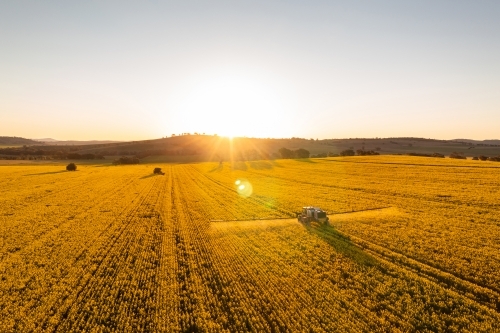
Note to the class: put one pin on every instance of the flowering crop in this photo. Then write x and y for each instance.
(413, 245)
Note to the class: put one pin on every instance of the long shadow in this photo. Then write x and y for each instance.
(149, 176)
(218, 168)
(305, 160)
(46, 173)
(275, 164)
(240, 166)
(342, 244)
(261, 165)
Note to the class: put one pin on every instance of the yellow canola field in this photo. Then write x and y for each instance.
(413, 245)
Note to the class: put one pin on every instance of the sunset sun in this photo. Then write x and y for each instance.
(231, 104)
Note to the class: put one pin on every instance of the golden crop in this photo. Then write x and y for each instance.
(413, 246)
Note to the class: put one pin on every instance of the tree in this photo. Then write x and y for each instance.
(362, 152)
(301, 153)
(456, 155)
(285, 153)
(347, 152)
(71, 167)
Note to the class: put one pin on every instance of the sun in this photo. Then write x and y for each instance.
(231, 104)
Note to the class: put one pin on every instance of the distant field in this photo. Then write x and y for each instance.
(414, 245)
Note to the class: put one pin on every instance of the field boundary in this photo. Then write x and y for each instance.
(417, 164)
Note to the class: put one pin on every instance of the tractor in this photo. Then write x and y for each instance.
(312, 214)
(157, 171)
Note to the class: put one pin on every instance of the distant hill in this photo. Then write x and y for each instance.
(197, 148)
(215, 148)
(74, 142)
(487, 142)
(46, 140)
(14, 140)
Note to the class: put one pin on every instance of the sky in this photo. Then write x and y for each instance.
(132, 70)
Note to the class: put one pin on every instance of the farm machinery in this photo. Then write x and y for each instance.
(157, 171)
(312, 214)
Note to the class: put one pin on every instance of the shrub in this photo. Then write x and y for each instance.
(286, 153)
(301, 153)
(483, 158)
(459, 156)
(347, 152)
(71, 167)
(475, 158)
(362, 152)
(427, 155)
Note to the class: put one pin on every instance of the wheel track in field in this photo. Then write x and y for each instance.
(306, 296)
(36, 299)
(167, 311)
(485, 296)
(67, 187)
(84, 287)
(378, 193)
(224, 291)
(221, 202)
(218, 286)
(94, 285)
(189, 236)
(264, 302)
(42, 198)
(223, 186)
(259, 202)
(56, 227)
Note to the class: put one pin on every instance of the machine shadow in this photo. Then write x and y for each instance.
(149, 176)
(342, 244)
(46, 173)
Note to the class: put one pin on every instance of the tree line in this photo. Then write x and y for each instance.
(28, 153)
(288, 153)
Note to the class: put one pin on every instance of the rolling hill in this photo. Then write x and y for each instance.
(198, 148)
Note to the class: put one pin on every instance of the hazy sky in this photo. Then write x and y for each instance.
(316, 69)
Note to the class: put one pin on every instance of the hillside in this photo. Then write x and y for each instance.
(50, 141)
(213, 148)
(197, 148)
(14, 141)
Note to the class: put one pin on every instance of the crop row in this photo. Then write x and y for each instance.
(112, 249)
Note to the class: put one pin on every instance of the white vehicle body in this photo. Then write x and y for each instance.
(311, 213)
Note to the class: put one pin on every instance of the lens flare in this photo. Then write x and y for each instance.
(243, 188)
